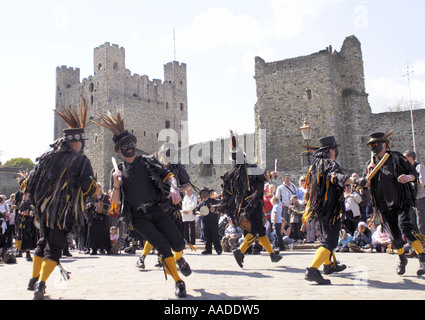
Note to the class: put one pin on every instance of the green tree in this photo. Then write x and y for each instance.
(20, 162)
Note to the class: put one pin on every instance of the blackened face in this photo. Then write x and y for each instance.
(376, 147)
(128, 149)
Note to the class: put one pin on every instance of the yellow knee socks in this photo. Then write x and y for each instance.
(265, 242)
(400, 251)
(147, 248)
(47, 268)
(18, 244)
(178, 255)
(417, 246)
(171, 268)
(247, 242)
(322, 256)
(36, 266)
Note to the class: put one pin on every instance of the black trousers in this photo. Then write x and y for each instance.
(189, 231)
(157, 227)
(211, 233)
(330, 234)
(397, 223)
(51, 243)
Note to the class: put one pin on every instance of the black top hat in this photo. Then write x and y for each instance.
(74, 134)
(123, 137)
(328, 142)
(379, 137)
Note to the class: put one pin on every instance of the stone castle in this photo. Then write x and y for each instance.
(147, 106)
(326, 88)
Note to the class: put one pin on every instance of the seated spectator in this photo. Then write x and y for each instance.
(381, 239)
(362, 238)
(344, 239)
(286, 232)
(231, 237)
(113, 232)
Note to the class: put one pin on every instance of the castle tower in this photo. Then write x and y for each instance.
(325, 88)
(67, 89)
(147, 106)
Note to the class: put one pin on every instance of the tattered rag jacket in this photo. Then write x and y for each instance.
(58, 186)
(325, 190)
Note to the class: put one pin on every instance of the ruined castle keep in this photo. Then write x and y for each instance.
(327, 89)
(147, 106)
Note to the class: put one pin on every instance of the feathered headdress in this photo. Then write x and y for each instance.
(76, 123)
(116, 125)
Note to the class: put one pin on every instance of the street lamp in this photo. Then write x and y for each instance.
(306, 132)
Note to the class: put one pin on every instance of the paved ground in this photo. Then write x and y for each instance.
(368, 276)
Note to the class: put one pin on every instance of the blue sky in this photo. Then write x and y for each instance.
(218, 41)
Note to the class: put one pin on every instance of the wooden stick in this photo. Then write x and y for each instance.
(376, 169)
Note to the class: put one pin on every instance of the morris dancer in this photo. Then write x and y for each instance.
(324, 197)
(58, 185)
(242, 200)
(140, 186)
(393, 195)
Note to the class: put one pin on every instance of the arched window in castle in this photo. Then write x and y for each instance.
(309, 94)
(99, 67)
(91, 87)
(166, 105)
(115, 66)
(167, 124)
(181, 106)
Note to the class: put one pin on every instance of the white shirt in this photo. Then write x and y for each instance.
(284, 193)
(420, 168)
(189, 204)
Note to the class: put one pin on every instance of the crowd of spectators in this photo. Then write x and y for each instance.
(102, 232)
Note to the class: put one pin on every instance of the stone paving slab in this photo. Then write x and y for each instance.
(218, 277)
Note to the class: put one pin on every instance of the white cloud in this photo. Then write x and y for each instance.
(386, 92)
(290, 15)
(220, 27)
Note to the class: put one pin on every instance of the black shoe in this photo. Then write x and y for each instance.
(421, 270)
(401, 267)
(141, 262)
(40, 289)
(275, 257)
(239, 256)
(31, 284)
(313, 274)
(333, 267)
(184, 267)
(28, 257)
(180, 289)
(206, 252)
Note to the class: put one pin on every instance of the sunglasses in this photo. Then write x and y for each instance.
(126, 146)
(374, 144)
